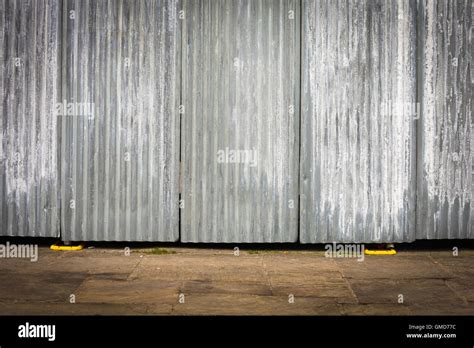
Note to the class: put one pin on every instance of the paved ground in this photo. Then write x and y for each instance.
(105, 281)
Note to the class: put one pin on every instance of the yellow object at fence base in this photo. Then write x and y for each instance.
(67, 247)
(380, 252)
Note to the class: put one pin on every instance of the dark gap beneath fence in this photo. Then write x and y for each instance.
(419, 245)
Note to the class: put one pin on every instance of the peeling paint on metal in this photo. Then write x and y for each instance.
(29, 87)
(120, 164)
(386, 112)
(445, 179)
(358, 121)
(240, 93)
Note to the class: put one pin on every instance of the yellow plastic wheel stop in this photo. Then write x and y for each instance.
(380, 252)
(67, 247)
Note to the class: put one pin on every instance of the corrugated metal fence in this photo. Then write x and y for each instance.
(120, 146)
(240, 128)
(446, 150)
(237, 120)
(29, 86)
(358, 131)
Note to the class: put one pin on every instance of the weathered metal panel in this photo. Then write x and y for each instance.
(118, 165)
(240, 93)
(29, 89)
(358, 129)
(445, 182)
(120, 162)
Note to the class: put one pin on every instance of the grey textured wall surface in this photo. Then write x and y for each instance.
(262, 116)
(29, 88)
(358, 128)
(240, 93)
(446, 149)
(120, 162)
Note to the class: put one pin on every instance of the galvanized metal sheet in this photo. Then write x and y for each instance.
(241, 119)
(117, 117)
(29, 66)
(357, 126)
(120, 157)
(446, 146)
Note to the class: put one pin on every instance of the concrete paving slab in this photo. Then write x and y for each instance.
(329, 284)
(47, 261)
(117, 264)
(38, 308)
(226, 287)
(128, 291)
(392, 267)
(423, 291)
(209, 268)
(462, 265)
(214, 281)
(464, 287)
(375, 309)
(230, 304)
(441, 309)
(39, 287)
(74, 261)
(299, 264)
